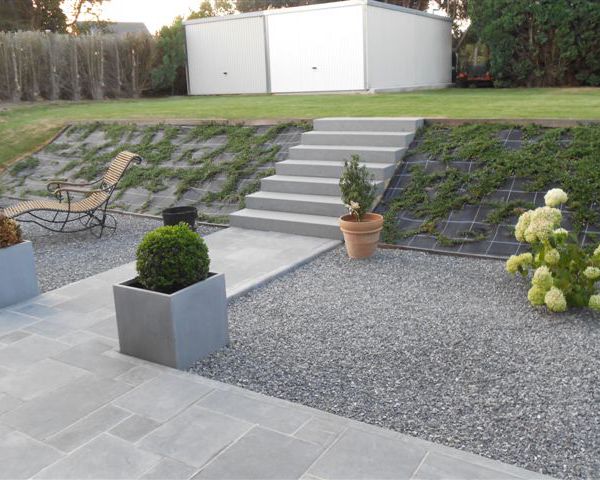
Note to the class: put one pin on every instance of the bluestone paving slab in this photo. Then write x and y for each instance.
(75, 320)
(240, 406)
(362, 455)
(88, 357)
(162, 397)
(106, 327)
(21, 354)
(138, 375)
(320, 431)
(50, 299)
(23, 457)
(76, 337)
(49, 329)
(48, 414)
(87, 428)
(437, 466)
(8, 403)
(35, 310)
(263, 454)
(11, 321)
(39, 378)
(134, 428)
(105, 457)
(13, 336)
(195, 436)
(169, 469)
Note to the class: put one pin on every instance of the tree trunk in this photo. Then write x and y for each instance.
(16, 94)
(76, 84)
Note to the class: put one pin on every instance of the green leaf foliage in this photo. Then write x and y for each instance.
(169, 75)
(172, 258)
(356, 186)
(540, 43)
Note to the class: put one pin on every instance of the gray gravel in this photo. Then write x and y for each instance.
(65, 258)
(443, 348)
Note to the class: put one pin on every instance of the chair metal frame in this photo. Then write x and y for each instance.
(95, 219)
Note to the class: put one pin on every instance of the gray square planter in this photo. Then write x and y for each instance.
(18, 280)
(172, 329)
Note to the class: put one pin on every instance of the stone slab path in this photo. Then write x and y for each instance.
(247, 257)
(72, 406)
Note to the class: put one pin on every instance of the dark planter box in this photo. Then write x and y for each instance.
(174, 329)
(176, 215)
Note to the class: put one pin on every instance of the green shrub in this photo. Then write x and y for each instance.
(564, 274)
(10, 232)
(171, 258)
(358, 191)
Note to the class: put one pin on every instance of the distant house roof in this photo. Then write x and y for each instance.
(117, 28)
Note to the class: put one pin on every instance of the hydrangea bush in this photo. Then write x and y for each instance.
(564, 274)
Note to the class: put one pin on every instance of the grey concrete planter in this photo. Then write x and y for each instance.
(18, 280)
(172, 329)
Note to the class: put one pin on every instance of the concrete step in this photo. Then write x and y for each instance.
(296, 223)
(325, 205)
(341, 153)
(332, 169)
(374, 139)
(307, 185)
(368, 124)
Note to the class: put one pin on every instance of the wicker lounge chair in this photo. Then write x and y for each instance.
(70, 214)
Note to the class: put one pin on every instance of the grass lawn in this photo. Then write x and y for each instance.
(23, 128)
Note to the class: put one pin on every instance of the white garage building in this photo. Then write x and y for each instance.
(353, 45)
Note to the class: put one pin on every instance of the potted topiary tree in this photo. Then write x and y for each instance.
(361, 229)
(18, 280)
(175, 311)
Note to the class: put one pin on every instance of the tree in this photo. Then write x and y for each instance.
(76, 8)
(458, 11)
(15, 15)
(256, 5)
(54, 15)
(48, 15)
(170, 73)
(541, 43)
(213, 9)
(29, 15)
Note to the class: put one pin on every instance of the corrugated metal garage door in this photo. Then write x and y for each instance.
(227, 57)
(316, 50)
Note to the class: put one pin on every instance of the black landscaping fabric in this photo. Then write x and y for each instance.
(499, 240)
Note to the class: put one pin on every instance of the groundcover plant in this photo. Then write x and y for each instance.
(564, 274)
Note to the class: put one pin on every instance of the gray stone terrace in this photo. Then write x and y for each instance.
(71, 406)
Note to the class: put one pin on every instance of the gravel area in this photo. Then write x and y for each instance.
(65, 258)
(439, 347)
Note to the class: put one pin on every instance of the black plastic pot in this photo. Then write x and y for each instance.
(176, 215)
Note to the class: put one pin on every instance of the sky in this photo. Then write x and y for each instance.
(154, 13)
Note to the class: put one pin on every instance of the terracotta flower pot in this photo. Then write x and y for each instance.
(361, 237)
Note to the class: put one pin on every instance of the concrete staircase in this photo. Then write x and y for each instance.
(304, 196)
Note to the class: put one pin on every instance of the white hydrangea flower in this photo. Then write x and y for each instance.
(555, 197)
(552, 256)
(592, 273)
(561, 233)
(542, 222)
(594, 302)
(536, 295)
(542, 278)
(522, 225)
(555, 300)
(515, 261)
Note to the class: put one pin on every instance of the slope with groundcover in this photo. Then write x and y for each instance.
(461, 189)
